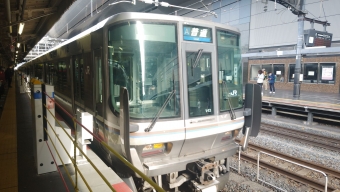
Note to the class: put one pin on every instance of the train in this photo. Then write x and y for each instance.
(185, 97)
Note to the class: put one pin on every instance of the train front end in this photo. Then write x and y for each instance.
(185, 105)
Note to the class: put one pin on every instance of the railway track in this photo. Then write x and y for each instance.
(301, 136)
(300, 175)
(294, 172)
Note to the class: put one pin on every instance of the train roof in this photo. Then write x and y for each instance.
(135, 16)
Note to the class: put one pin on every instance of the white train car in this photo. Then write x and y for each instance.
(184, 81)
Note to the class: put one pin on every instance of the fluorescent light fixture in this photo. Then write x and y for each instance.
(21, 28)
(18, 45)
(16, 52)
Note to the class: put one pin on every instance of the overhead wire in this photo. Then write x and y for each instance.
(323, 10)
(280, 24)
(234, 9)
(282, 10)
(199, 15)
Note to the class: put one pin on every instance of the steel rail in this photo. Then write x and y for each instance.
(303, 136)
(258, 167)
(327, 170)
(289, 174)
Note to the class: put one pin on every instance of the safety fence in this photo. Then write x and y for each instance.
(76, 147)
(238, 169)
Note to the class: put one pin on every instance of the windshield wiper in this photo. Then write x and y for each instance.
(153, 122)
(226, 97)
(198, 57)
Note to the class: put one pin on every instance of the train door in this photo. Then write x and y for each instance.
(78, 80)
(45, 73)
(98, 97)
(199, 88)
(49, 73)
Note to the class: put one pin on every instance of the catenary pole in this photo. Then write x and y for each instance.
(300, 42)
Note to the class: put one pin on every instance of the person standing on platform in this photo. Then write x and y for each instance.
(260, 78)
(2, 81)
(9, 74)
(271, 79)
(265, 80)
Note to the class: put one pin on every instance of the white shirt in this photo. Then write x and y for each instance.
(260, 78)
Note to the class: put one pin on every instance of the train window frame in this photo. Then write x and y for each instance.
(62, 75)
(99, 75)
(139, 106)
(229, 67)
(40, 67)
(198, 78)
(321, 73)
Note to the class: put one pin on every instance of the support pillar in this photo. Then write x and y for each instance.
(300, 43)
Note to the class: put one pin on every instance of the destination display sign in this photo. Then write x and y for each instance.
(195, 33)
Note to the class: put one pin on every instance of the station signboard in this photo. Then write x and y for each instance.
(315, 38)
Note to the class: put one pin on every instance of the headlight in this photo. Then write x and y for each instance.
(156, 149)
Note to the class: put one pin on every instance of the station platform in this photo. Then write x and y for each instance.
(313, 106)
(17, 162)
(325, 101)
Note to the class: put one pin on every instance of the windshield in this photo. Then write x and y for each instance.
(143, 57)
(230, 71)
(200, 90)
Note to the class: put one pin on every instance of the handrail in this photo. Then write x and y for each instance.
(121, 158)
(57, 166)
(55, 148)
(88, 159)
(73, 161)
(258, 168)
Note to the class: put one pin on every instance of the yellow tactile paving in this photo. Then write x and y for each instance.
(8, 145)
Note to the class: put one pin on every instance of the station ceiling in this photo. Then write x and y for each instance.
(38, 17)
(45, 17)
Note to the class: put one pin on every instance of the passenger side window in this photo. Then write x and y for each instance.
(199, 84)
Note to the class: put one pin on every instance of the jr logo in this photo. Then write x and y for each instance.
(208, 110)
(233, 93)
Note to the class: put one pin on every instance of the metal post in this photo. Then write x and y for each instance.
(239, 159)
(274, 111)
(91, 8)
(43, 89)
(75, 153)
(310, 118)
(300, 42)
